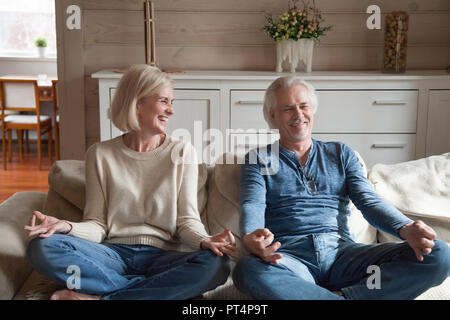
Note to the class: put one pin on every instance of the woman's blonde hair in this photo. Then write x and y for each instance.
(140, 81)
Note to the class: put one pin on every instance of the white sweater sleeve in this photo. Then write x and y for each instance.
(189, 226)
(93, 227)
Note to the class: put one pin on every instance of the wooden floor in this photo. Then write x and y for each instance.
(24, 175)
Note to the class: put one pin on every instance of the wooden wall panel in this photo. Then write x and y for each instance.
(222, 29)
(258, 58)
(227, 35)
(269, 5)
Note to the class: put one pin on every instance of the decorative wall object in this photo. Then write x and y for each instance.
(395, 42)
(295, 32)
(149, 19)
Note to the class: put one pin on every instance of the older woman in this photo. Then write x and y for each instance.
(139, 205)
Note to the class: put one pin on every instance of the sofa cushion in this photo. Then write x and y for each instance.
(66, 177)
(15, 213)
(59, 207)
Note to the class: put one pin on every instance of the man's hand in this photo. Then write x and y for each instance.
(259, 243)
(419, 236)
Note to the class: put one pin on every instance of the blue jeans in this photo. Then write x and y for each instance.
(315, 265)
(119, 271)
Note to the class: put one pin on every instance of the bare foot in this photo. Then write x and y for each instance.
(66, 294)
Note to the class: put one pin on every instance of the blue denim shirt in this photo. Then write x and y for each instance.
(286, 204)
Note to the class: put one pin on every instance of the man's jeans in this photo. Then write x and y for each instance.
(118, 271)
(315, 265)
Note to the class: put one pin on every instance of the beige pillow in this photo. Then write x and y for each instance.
(67, 178)
(59, 207)
(222, 209)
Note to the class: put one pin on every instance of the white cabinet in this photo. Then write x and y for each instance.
(194, 111)
(366, 111)
(377, 148)
(246, 110)
(387, 118)
(379, 124)
(438, 133)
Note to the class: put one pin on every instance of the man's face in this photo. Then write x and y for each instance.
(293, 114)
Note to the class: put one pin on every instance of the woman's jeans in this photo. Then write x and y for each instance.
(119, 271)
(315, 265)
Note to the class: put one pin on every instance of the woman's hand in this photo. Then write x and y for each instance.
(49, 225)
(219, 245)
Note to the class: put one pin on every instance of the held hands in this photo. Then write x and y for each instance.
(419, 236)
(219, 245)
(259, 243)
(49, 225)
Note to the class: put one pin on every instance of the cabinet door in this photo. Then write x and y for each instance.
(438, 128)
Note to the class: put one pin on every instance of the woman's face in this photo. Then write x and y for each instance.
(154, 111)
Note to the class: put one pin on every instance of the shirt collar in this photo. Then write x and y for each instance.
(293, 155)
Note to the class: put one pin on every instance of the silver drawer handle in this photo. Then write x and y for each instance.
(388, 102)
(250, 102)
(388, 145)
(240, 145)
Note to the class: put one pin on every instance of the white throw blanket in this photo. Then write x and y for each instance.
(420, 187)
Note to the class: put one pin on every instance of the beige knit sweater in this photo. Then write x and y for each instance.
(141, 197)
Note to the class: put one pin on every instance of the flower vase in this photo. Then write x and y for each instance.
(295, 52)
(41, 52)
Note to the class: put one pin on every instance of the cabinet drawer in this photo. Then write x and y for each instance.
(339, 111)
(366, 112)
(247, 110)
(377, 148)
(373, 148)
(241, 143)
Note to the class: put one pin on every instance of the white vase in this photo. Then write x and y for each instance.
(41, 51)
(295, 52)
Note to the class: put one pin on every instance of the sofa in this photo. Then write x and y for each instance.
(218, 194)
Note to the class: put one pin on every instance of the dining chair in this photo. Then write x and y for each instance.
(23, 96)
(4, 113)
(56, 117)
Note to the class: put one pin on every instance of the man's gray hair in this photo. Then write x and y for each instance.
(270, 100)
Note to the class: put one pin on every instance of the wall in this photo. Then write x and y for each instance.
(227, 35)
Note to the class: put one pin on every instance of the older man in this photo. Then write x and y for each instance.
(294, 221)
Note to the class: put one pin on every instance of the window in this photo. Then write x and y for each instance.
(22, 22)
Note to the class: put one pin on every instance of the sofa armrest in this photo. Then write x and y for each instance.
(15, 213)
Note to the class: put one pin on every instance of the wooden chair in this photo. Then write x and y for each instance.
(23, 95)
(4, 113)
(56, 117)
